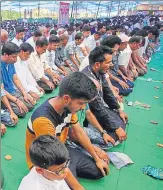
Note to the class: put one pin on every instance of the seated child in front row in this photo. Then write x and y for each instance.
(50, 159)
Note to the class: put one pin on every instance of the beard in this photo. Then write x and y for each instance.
(101, 72)
(67, 109)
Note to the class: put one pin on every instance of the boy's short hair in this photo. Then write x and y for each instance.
(19, 29)
(46, 151)
(78, 86)
(86, 28)
(54, 39)
(41, 42)
(111, 41)
(135, 39)
(97, 54)
(26, 47)
(78, 36)
(37, 33)
(54, 32)
(10, 48)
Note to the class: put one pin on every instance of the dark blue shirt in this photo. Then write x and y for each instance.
(8, 70)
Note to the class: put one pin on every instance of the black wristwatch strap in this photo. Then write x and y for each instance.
(103, 132)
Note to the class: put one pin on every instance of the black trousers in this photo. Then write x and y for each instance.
(82, 165)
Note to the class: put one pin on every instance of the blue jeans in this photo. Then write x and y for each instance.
(6, 119)
(123, 92)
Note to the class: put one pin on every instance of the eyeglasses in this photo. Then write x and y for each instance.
(61, 170)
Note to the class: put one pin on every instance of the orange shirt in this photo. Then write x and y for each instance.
(45, 120)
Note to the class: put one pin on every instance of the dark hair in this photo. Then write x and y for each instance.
(53, 32)
(108, 28)
(54, 39)
(78, 36)
(37, 33)
(111, 41)
(136, 39)
(70, 29)
(97, 54)
(146, 28)
(98, 33)
(100, 26)
(134, 31)
(154, 31)
(41, 42)
(46, 151)
(19, 29)
(78, 86)
(26, 47)
(47, 26)
(86, 28)
(10, 48)
(142, 33)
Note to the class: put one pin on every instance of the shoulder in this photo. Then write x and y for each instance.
(43, 110)
(86, 70)
(28, 182)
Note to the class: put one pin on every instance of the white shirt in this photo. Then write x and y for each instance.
(35, 181)
(50, 57)
(91, 43)
(25, 76)
(37, 64)
(137, 25)
(125, 56)
(71, 37)
(141, 51)
(31, 42)
(17, 42)
(84, 63)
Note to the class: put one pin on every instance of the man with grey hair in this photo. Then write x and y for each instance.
(60, 58)
(4, 36)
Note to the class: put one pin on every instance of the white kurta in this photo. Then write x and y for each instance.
(25, 76)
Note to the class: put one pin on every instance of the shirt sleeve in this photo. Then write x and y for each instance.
(70, 50)
(122, 60)
(45, 62)
(34, 70)
(43, 126)
(13, 69)
(74, 119)
(30, 78)
(2, 92)
(62, 54)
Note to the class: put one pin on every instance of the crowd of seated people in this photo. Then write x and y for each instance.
(94, 64)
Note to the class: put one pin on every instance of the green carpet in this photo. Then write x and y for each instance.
(140, 145)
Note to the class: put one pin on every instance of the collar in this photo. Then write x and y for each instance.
(128, 47)
(97, 75)
(17, 39)
(36, 54)
(4, 64)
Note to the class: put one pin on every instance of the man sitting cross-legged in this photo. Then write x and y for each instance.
(19, 100)
(8, 117)
(25, 76)
(39, 67)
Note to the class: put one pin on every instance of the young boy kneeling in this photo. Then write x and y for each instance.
(50, 159)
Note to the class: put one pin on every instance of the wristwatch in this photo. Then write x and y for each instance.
(103, 132)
